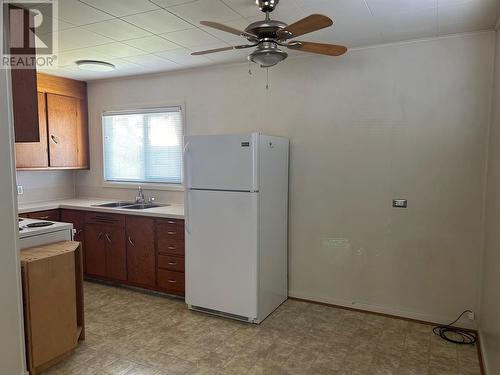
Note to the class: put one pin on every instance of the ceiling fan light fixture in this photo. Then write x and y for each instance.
(267, 55)
(95, 65)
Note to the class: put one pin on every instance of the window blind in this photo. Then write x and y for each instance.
(143, 145)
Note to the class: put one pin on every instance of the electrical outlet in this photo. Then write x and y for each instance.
(471, 315)
(20, 190)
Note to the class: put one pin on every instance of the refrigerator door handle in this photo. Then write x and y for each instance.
(187, 186)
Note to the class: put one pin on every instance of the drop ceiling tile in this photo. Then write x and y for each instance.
(381, 8)
(400, 26)
(152, 43)
(334, 8)
(192, 38)
(78, 13)
(170, 3)
(464, 16)
(117, 29)
(151, 60)
(182, 56)
(120, 8)
(158, 21)
(79, 38)
(205, 10)
(119, 50)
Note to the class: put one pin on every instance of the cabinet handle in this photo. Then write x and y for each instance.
(172, 263)
(43, 217)
(171, 222)
(79, 231)
(172, 281)
(171, 247)
(54, 139)
(130, 241)
(108, 238)
(99, 236)
(170, 233)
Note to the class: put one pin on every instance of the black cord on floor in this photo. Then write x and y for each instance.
(460, 336)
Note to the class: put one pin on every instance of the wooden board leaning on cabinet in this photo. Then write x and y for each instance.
(52, 281)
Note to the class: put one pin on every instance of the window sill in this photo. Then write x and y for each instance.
(145, 185)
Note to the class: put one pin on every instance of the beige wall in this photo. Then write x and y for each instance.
(490, 306)
(11, 330)
(45, 185)
(397, 121)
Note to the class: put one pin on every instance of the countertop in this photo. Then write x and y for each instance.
(174, 211)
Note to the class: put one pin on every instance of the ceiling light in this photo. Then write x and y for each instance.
(95, 66)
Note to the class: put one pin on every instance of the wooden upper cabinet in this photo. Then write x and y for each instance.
(63, 127)
(63, 130)
(35, 154)
(24, 79)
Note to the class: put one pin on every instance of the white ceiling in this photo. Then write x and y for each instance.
(144, 36)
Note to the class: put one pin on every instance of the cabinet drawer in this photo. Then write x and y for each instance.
(170, 229)
(171, 281)
(170, 246)
(105, 218)
(51, 215)
(171, 263)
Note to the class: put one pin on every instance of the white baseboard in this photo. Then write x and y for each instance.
(430, 318)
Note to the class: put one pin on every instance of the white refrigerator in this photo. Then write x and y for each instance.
(236, 219)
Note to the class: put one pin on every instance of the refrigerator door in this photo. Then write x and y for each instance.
(221, 251)
(222, 162)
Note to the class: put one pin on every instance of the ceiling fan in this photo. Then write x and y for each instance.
(269, 35)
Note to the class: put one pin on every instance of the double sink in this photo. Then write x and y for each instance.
(131, 205)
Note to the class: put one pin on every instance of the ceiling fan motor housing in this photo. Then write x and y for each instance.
(267, 5)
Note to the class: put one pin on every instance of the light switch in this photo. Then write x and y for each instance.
(400, 203)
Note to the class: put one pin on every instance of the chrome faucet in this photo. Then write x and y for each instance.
(140, 197)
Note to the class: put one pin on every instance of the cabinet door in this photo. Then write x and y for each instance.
(51, 215)
(77, 218)
(95, 247)
(63, 130)
(140, 250)
(83, 134)
(24, 79)
(35, 154)
(116, 253)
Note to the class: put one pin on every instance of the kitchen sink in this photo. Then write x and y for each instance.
(143, 206)
(115, 204)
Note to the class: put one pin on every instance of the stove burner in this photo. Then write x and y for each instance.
(20, 229)
(40, 224)
(20, 219)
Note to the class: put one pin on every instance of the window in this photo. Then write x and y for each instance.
(143, 146)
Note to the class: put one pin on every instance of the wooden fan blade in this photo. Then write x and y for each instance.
(306, 25)
(228, 29)
(320, 48)
(211, 51)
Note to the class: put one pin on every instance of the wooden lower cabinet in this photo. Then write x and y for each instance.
(134, 250)
(141, 250)
(77, 218)
(95, 251)
(116, 253)
(51, 215)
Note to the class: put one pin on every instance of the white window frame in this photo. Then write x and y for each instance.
(134, 185)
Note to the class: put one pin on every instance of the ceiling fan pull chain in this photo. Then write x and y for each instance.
(267, 78)
(249, 68)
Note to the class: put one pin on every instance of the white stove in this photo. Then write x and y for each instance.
(33, 232)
